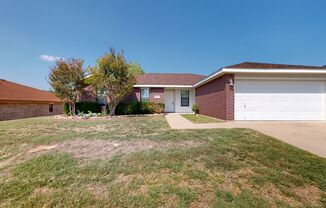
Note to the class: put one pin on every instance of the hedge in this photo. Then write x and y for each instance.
(138, 108)
(85, 107)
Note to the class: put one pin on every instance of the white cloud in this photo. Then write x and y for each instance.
(50, 58)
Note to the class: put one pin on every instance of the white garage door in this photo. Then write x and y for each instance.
(279, 100)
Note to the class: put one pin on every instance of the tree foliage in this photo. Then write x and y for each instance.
(112, 77)
(67, 80)
(135, 68)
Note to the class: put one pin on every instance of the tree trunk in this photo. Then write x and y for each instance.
(112, 107)
(113, 102)
(73, 109)
(70, 108)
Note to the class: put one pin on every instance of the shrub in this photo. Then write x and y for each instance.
(195, 108)
(66, 108)
(146, 108)
(150, 107)
(86, 107)
(139, 108)
(127, 108)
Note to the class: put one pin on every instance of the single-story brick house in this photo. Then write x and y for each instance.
(19, 101)
(176, 91)
(245, 91)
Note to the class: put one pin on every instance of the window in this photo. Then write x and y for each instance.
(101, 98)
(185, 98)
(144, 94)
(50, 108)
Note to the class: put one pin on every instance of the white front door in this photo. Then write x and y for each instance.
(279, 100)
(169, 100)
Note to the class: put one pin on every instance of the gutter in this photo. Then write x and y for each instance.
(164, 86)
(258, 71)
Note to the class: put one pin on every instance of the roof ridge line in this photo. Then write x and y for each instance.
(248, 64)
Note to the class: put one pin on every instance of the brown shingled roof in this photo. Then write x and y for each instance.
(254, 65)
(168, 79)
(10, 91)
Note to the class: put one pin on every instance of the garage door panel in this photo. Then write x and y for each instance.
(279, 100)
(290, 116)
(279, 87)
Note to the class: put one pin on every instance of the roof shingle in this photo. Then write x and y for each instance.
(255, 65)
(168, 79)
(10, 91)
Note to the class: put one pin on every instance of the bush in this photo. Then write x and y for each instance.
(150, 107)
(127, 108)
(195, 108)
(138, 108)
(85, 107)
(66, 108)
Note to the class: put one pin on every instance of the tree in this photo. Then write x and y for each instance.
(135, 68)
(112, 77)
(67, 80)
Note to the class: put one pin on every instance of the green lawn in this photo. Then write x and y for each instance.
(140, 162)
(201, 118)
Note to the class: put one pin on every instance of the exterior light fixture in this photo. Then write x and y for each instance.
(231, 82)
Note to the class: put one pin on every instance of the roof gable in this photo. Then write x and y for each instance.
(168, 79)
(10, 91)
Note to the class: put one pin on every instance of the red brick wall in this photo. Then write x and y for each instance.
(156, 92)
(10, 111)
(216, 98)
(135, 95)
(229, 91)
(88, 95)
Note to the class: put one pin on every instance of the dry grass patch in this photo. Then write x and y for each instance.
(309, 194)
(236, 181)
(93, 149)
(89, 150)
(42, 191)
(97, 189)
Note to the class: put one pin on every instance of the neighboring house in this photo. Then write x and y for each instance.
(19, 101)
(246, 91)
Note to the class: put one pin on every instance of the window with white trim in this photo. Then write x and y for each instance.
(144, 94)
(184, 97)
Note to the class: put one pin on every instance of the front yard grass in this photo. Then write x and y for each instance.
(141, 162)
(201, 118)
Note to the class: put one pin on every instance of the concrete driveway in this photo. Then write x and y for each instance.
(309, 136)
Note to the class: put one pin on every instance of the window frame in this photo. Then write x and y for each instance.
(141, 95)
(187, 98)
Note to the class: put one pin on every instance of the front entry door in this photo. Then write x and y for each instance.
(169, 100)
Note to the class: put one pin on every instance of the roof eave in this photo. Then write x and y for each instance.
(163, 86)
(29, 101)
(259, 71)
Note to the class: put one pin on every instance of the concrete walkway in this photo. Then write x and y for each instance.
(309, 136)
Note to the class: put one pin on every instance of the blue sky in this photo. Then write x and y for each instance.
(163, 36)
